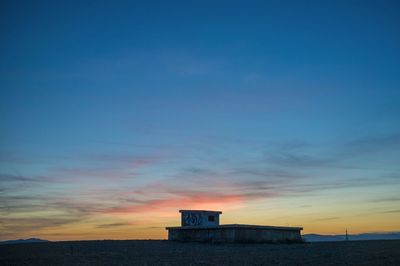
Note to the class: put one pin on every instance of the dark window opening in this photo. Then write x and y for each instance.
(211, 218)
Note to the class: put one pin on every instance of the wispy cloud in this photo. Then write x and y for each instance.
(228, 184)
(21, 181)
(113, 225)
(195, 201)
(327, 219)
(374, 143)
(392, 211)
(15, 178)
(127, 159)
(296, 160)
(387, 199)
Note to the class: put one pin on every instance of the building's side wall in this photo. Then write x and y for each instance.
(202, 235)
(216, 219)
(240, 235)
(247, 235)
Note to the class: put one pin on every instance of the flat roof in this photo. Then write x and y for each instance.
(219, 212)
(247, 226)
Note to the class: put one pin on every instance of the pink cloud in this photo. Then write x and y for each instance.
(192, 201)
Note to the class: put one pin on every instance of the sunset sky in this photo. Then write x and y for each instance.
(116, 114)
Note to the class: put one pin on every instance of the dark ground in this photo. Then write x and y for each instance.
(136, 252)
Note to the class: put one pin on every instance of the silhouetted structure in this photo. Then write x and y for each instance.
(199, 218)
(203, 226)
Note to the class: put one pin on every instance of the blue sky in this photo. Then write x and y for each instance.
(115, 111)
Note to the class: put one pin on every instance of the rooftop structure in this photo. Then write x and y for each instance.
(203, 226)
(199, 218)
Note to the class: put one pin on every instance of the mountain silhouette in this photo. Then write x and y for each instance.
(365, 236)
(20, 241)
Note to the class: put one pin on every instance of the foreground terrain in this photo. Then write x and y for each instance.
(150, 252)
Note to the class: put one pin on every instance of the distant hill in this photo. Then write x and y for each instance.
(20, 241)
(366, 236)
(306, 237)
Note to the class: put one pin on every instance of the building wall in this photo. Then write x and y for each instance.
(266, 235)
(231, 235)
(202, 235)
(199, 218)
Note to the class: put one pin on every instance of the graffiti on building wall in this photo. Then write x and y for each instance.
(192, 219)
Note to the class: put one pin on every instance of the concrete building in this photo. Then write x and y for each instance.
(203, 226)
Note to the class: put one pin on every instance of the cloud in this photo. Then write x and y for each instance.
(197, 171)
(32, 213)
(297, 160)
(321, 185)
(32, 203)
(392, 211)
(113, 225)
(291, 145)
(192, 192)
(15, 178)
(327, 219)
(268, 174)
(193, 200)
(10, 157)
(127, 159)
(388, 199)
(346, 155)
(70, 195)
(374, 144)
(69, 175)
(104, 166)
(30, 225)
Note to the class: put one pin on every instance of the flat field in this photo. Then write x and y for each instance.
(152, 252)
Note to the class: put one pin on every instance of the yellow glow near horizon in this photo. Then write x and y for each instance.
(153, 226)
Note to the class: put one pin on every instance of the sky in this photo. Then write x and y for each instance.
(117, 114)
